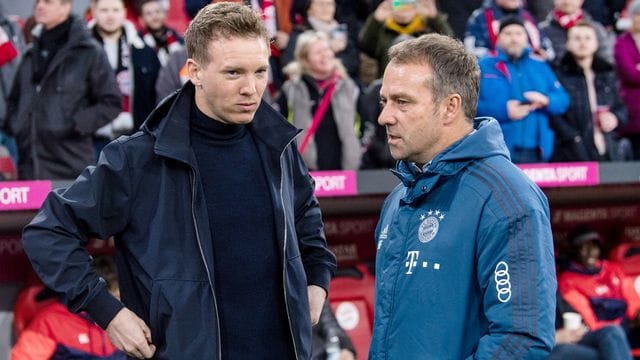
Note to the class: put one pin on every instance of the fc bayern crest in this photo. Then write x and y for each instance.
(430, 225)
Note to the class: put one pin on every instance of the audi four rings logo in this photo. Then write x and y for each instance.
(503, 285)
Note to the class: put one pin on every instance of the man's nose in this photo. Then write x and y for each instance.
(249, 86)
(386, 116)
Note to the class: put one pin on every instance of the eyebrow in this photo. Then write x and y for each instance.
(242, 69)
(399, 95)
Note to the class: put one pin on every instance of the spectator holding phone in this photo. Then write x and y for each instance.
(399, 18)
(320, 16)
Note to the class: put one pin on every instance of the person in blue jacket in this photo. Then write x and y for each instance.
(522, 93)
(464, 265)
(219, 239)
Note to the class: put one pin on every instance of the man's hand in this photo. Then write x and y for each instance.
(427, 8)
(338, 44)
(317, 296)
(130, 334)
(347, 355)
(570, 336)
(281, 40)
(517, 110)
(538, 100)
(383, 11)
(608, 121)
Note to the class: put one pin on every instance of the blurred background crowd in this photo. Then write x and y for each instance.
(561, 76)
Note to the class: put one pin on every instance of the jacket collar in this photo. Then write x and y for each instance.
(78, 34)
(502, 56)
(78, 37)
(169, 125)
(569, 64)
(485, 141)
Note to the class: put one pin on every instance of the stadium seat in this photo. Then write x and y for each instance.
(627, 256)
(351, 297)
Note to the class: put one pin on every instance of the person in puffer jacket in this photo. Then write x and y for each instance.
(593, 286)
(56, 333)
(464, 264)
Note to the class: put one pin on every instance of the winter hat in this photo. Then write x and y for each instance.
(510, 20)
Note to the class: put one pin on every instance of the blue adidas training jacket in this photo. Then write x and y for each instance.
(465, 265)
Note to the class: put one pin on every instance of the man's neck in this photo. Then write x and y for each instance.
(110, 36)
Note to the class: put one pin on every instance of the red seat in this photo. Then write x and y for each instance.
(627, 256)
(352, 301)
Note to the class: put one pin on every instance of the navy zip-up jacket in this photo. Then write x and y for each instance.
(146, 191)
(464, 266)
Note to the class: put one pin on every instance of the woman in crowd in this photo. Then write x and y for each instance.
(321, 99)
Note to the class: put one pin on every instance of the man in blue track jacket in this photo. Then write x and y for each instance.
(465, 266)
(522, 93)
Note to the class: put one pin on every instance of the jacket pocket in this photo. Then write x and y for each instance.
(154, 315)
(182, 319)
(298, 304)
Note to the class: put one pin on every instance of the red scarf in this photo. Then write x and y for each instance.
(8, 52)
(567, 21)
(327, 87)
(165, 40)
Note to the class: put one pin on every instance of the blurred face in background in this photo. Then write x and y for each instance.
(109, 15)
(568, 6)
(152, 15)
(582, 42)
(513, 40)
(51, 13)
(323, 10)
(404, 13)
(320, 61)
(589, 254)
(509, 4)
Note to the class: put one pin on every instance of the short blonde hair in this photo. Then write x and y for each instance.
(222, 20)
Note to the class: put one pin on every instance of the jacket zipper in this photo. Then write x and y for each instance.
(284, 250)
(204, 260)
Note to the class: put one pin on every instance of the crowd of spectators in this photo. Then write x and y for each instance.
(327, 59)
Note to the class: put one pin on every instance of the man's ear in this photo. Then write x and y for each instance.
(194, 71)
(451, 107)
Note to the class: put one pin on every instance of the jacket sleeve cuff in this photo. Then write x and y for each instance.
(103, 308)
(319, 275)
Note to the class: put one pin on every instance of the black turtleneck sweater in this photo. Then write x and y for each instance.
(248, 264)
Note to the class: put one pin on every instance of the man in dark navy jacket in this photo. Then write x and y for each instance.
(220, 247)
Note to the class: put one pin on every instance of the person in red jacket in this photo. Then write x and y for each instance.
(57, 333)
(593, 286)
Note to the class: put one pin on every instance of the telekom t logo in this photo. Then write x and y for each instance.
(412, 261)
